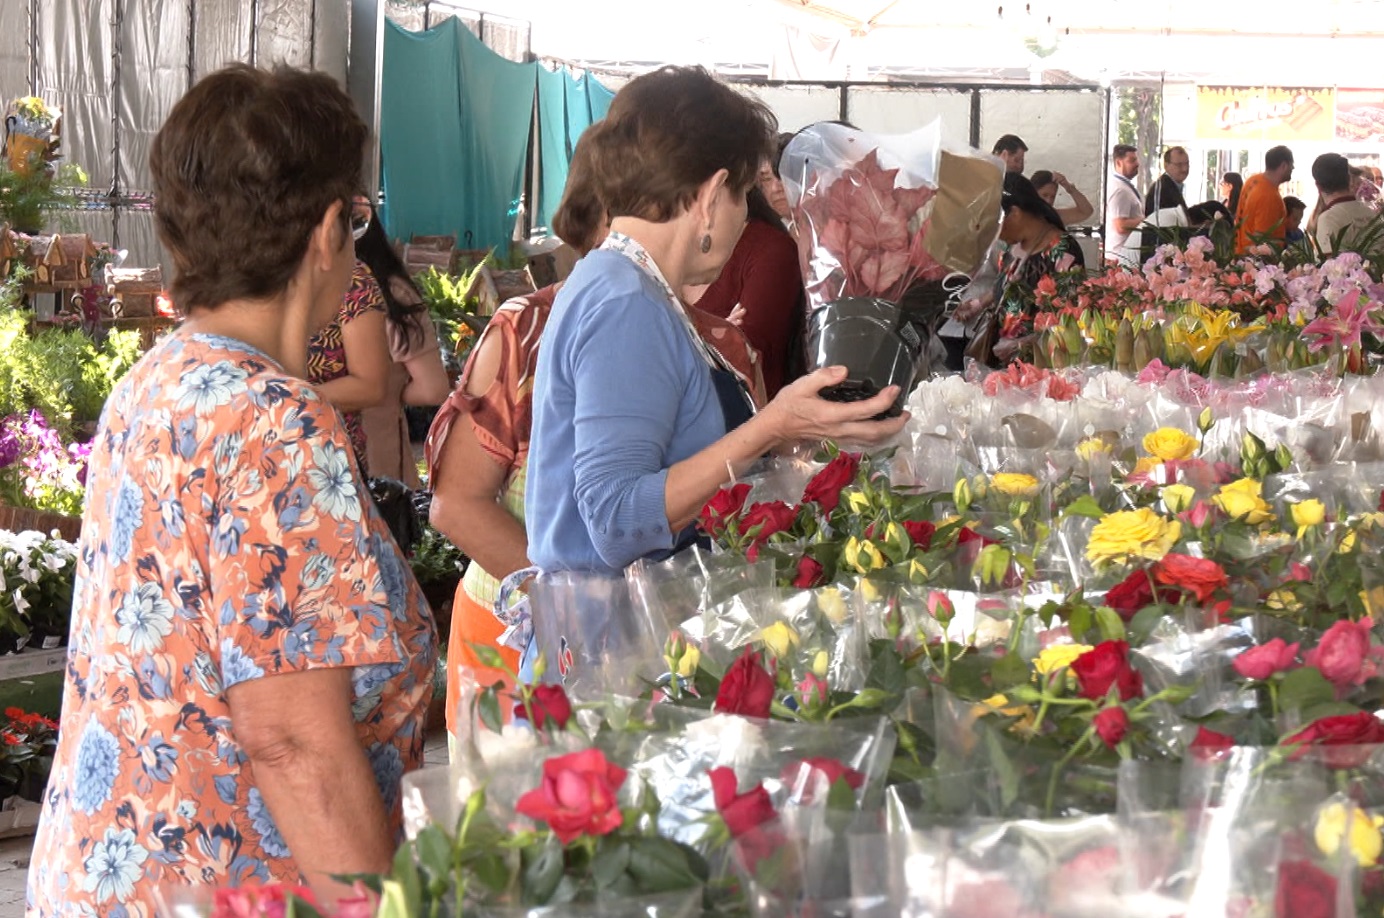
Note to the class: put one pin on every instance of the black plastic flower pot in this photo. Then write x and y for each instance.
(875, 342)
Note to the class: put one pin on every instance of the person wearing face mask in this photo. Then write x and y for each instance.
(636, 421)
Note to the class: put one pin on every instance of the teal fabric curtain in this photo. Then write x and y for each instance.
(567, 106)
(455, 120)
(421, 132)
(455, 125)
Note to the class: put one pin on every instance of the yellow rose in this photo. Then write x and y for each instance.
(832, 604)
(1015, 484)
(1178, 497)
(1147, 464)
(1000, 704)
(688, 663)
(863, 556)
(1336, 823)
(1092, 447)
(1169, 443)
(779, 638)
(856, 501)
(1347, 544)
(1306, 514)
(1131, 534)
(1282, 601)
(869, 590)
(820, 662)
(1058, 656)
(1241, 500)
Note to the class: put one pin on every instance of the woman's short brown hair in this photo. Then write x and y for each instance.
(669, 131)
(580, 212)
(244, 168)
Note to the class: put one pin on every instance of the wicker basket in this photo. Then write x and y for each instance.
(21, 519)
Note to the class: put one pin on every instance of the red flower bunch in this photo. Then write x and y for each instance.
(750, 817)
(577, 796)
(1111, 725)
(1345, 655)
(1260, 663)
(825, 487)
(1105, 666)
(724, 506)
(869, 235)
(1342, 730)
(805, 778)
(1025, 377)
(1134, 593)
(1208, 744)
(747, 689)
(1305, 891)
(1201, 577)
(548, 703)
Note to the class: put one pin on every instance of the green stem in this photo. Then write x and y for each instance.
(1273, 698)
(1062, 763)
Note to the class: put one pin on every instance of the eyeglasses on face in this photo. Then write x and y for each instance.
(360, 221)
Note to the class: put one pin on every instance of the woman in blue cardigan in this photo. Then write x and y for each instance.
(637, 422)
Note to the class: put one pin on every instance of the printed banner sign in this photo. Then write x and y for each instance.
(1360, 115)
(1233, 113)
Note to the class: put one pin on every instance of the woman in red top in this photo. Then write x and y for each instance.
(763, 278)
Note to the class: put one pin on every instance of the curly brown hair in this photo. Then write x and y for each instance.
(244, 169)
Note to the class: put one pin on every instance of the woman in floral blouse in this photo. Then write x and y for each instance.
(250, 657)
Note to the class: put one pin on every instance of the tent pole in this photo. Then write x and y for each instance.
(364, 71)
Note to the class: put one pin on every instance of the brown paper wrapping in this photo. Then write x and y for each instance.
(965, 211)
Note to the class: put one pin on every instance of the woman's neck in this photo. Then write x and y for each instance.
(1038, 239)
(665, 243)
(262, 324)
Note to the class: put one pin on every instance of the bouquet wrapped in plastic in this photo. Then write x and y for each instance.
(877, 216)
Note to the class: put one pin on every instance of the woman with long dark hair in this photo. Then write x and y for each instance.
(1231, 184)
(416, 376)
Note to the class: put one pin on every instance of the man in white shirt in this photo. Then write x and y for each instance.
(1340, 217)
(1124, 208)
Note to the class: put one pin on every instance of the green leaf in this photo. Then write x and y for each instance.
(488, 656)
(491, 869)
(841, 797)
(404, 876)
(1079, 621)
(395, 901)
(610, 862)
(434, 851)
(1004, 769)
(1110, 624)
(1328, 709)
(543, 865)
(1304, 689)
(1086, 506)
(1143, 623)
(887, 671)
(489, 703)
(660, 865)
(867, 698)
(1008, 671)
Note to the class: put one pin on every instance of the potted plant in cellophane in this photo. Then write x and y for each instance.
(876, 216)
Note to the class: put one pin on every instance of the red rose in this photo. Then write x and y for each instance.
(1111, 725)
(577, 796)
(1263, 661)
(806, 777)
(1343, 730)
(1134, 593)
(1304, 891)
(825, 487)
(809, 574)
(1210, 744)
(921, 532)
(742, 812)
(1198, 576)
(1344, 654)
(721, 508)
(1106, 665)
(747, 688)
(549, 702)
(771, 517)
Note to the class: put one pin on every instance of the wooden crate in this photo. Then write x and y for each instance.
(133, 291)
(21, 519)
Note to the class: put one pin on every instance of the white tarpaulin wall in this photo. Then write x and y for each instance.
(115, 67)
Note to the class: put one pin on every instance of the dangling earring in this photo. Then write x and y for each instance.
(706, 243)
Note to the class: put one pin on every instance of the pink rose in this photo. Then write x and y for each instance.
(1345, 656)
(1261, 662)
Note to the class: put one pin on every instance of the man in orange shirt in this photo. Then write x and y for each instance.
(1262, 212)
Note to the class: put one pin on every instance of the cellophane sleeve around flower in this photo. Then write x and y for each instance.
(876, 212)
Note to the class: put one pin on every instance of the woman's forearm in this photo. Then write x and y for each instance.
(488, 534)
(693, 481)
(352, 393)
(328, 809)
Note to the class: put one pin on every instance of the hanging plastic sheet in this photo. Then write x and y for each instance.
(284, 33)
(331, 37)
(153, 76)
(75, 75)
(134, 232)
(567, 106)
(221, 34)
(14, 48)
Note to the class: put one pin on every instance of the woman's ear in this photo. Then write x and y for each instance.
(327, 238)
(707, 197)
